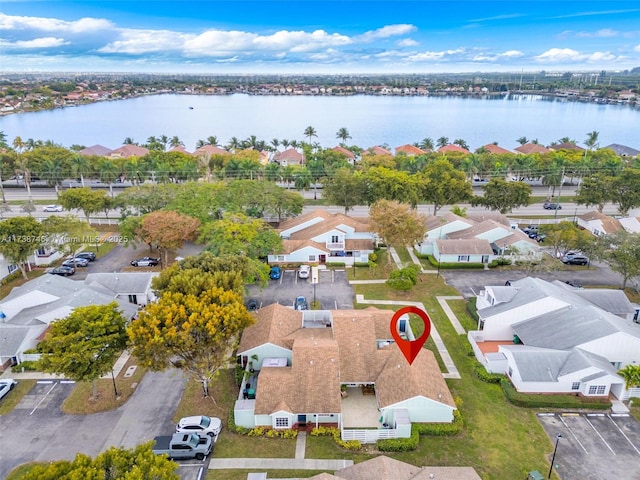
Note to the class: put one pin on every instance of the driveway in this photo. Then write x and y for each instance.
(594, 446)
(37, 430)
(470, 282)
(333, 290)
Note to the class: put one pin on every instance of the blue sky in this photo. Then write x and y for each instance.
(318, 36)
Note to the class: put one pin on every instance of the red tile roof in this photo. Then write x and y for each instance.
(344, 151)
(453, 148)
(376, 150)
(409, 150)
(531, 148)
(210, 150)
(491, 148)
(127, 151)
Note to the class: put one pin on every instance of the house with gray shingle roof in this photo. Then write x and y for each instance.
(623, 150)
(28, 310)
(531, 316)
(475, 239)
(301, 363)
(320, 237)
(598, 223)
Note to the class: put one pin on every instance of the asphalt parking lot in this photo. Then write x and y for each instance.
(594, 446)
(333, 290)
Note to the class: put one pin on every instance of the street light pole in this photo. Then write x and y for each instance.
(553, 458)
(113, 379)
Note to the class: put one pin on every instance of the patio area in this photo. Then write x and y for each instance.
(360, 411)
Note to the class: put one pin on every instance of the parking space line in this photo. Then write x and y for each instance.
(42, 399)
(625, 436)
(601, 437)
(574, 435)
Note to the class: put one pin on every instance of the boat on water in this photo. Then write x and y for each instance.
(190, 108)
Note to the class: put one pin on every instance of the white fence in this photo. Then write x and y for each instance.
(368, 435)
(632, 392)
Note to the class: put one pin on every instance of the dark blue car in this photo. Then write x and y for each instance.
(275, 273)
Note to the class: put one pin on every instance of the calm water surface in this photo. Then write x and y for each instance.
(371, 120)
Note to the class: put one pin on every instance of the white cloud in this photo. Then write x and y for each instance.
(407, 42)
(44, 42)
(637, 48)
(385, 32)
(602, 33)
(145, 41)
(430, 56)
(568, 55)
(10, 22)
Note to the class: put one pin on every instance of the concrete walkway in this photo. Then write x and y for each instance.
(452, 370)
(278, 464)
(452, 316)
(301, 445)
(395, 257)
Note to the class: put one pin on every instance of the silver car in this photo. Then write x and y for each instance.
(6, 385)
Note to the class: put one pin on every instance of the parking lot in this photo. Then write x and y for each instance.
(594, 445)
(332, 290)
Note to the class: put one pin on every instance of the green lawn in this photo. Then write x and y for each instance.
(405, 258)
(241, 474)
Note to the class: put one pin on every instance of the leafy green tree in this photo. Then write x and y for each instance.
(237, 234)
(283, 204)
(625, 190)
(345, 188)
(168, 230)
(503, 196)
(441, 184)
(84, 345)
(566, 236)
(631, 375)
(196, 334)
(67, 234)
(397, 223)
(594, 190)
(85, 199)
(20, 237)
(387, 184)
(621, 250)
(146, 198)
(114, 464)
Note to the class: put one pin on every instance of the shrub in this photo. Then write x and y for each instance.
(373, 257)
(537, 400)
(400, 444)
(231, 424)
(401, 284)
(239, 373)
(27, 366)
(11, 277)
(482, 374)
(423, 256)
(471, 308)
(335, 264)
(272, 433)
(441, 429)
(361, 264)
(460, 265)
(497, 262)
(335, 433)
(405, 278)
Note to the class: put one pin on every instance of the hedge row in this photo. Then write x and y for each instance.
(530, 400)
(335, 264)
(335, 433)
(471, 308)
(485, 376)
(272, 433)
(417, 429)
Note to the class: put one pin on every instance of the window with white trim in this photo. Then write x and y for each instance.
(282, 422)
(575, 386)
(463, 258)
(312, 258)
(281, 258)
(510, 371)
(13, 268)
(597, 389)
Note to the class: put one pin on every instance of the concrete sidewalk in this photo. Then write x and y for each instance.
(278, 464)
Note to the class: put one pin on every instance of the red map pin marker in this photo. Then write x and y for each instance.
(410, 349)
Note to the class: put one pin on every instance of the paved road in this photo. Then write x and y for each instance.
(37, 430)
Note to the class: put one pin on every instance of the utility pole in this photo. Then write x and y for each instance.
(555, 215)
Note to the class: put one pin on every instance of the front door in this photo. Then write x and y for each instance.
(485, 259)
(323, 259)
(302, 420)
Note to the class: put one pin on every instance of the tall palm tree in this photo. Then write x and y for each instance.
(80, 166)
(443, 141)
(461, 143)
(175, 142)
(285, 143)
(212, 140)
(234, 144)
(52, 172)
(310, 132)
(108, 172)
(22, 164)
(592, 140)
(275, 142)
(522, 140)
(302, 179)
(164, 140)
(128, 141)
(426, 144)
(343, 134)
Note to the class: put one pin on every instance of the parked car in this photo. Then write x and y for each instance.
(200, 424)
(253, 305)
(575, 259)
(145, 262)
(301, 304)
(91, 256)
(574, 283)
(275, 273)
(530, 228)
(552, 206)
(52, 208)
(64, 271)
(182, 446)
(540, 238)
(6, 385)
(75, 262)
(303, 271)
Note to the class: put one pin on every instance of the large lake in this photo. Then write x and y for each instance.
(371, 120)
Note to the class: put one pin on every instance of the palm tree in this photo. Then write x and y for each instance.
(343, 134)
(128, 141)
(426, 144)
(175, 142)
(80, 166)
(631, 375)
(272, 172)
(275, 142)
(310, 132)
(285, 143)
(234, 144)
(443, 141)
(294, 144)
(212, 140)
(52, 172)
(164, 140)
(302, 179)
(108, 172)
(522, 140)
(461, 143)
(592, 140)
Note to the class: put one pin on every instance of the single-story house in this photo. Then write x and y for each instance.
(133, 287)
(377, 150)
(453, 148)
(288, 157)
(623, 150)
(350, 156)
(529, 148)
(409, 150)
(127, 151)
(630, 224)
(475, 239)
(596, 326)
(95, 150)
(598, 223)
(566, 146)
(321, 237)
(495, 149)
(303, 367)
(28, 310)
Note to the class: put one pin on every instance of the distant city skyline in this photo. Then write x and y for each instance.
(318, 37)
